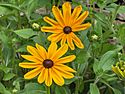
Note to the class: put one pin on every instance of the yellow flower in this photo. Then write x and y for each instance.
(119, 69)
(48, 64)
(66, 25)
(35, 26)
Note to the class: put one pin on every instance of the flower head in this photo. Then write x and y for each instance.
(119, 69)
(66, 25)
(48, 64)
(35, 26)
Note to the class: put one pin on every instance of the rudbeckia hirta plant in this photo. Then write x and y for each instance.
(48, 65)
(66, 24)
(119, 69)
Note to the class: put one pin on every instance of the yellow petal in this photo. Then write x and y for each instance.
(55, 37)
(51, 29)
(66, 59)
(64, 67)
(33, 73)
(77, 10)
(29, 65)
(50, 21)
(33, 51)
(81, 27)
(124, 73)
(58, 15)
(60, 52)
(117, 71)
(52, 49)
(121, 72)
(57, 78)
(77, 41)
(81, 18)
(41, 77)
(66, 13)
(48, 80)
(32, 58)
(63, 41)
(42, 51)
(64, 73)
(70, 42)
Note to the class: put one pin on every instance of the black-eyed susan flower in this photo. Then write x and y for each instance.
(47, 64)
(119, 69)
(66, 25)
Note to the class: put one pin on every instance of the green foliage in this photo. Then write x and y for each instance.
(94, 89)
(93, 63)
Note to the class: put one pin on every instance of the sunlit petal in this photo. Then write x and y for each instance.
(32, 58)
(55, 37)
(51, 29)
(41, 77)
(64, 73)
(48, 80)
(81, 27)
(29, 65)
(66, 13)
(63, 41)
(60, 52)
(76, 12)
(81, 18)
(51, 21)
(32, 50)
(70, 42)
(66, 59)
(64, 67)
(57, 78)
(33, 73)
(42, 51)
(52, 49)
(58, 15)
(77, 41)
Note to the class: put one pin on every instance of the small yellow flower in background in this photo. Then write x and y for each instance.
(66, 24)
(35, 26)
(94, 37)
(48, 64)
(119, 69)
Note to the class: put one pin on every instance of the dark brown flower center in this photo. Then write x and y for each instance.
(67, 29)
(47, 63)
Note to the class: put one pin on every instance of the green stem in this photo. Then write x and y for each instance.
(77, 87)
(48, 90)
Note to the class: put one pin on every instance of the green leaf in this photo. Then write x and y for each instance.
(8, 53)
(3, 89)
(4, 10)
(94, 89)
(116, 91)
(62, 90)
(4, 68)
(25, 33)
(82, 56)
(106, 61)
(11, 6)
(8, 76)
(69, 81)
(33, 88)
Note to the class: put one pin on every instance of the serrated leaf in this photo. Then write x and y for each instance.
(25, 33)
